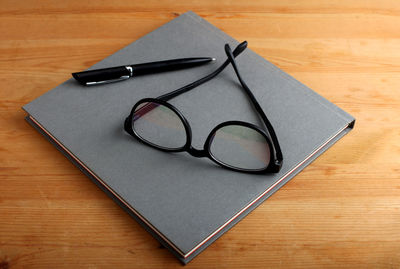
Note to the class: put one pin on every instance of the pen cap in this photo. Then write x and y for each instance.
(100, 76)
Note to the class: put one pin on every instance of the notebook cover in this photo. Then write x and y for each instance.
(185, 202)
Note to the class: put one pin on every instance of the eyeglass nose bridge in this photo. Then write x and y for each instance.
(199, 153)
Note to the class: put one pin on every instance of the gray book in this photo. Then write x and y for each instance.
(185, 202)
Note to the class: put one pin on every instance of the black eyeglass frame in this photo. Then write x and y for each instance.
(276, 158)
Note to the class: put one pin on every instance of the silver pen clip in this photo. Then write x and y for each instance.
(130, 69)
(106, 81)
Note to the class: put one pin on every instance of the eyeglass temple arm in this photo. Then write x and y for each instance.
(143, 110)
(257, 106)
(239, 49)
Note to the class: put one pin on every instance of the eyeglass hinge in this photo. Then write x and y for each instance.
(276, 167)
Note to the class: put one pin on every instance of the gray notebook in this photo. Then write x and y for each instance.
(185, 202)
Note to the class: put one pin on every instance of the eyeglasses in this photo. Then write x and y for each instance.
(236, 145)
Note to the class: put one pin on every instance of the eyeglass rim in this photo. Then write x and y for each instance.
(206, 151)
(171, 107)
(208, 143)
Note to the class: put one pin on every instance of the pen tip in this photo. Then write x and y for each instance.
(213, 59)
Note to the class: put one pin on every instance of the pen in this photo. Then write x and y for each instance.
(114, 74)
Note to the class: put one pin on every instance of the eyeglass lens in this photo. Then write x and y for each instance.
(241, 147)
(159, 125)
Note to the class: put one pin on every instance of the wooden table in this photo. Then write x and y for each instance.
(341, 211)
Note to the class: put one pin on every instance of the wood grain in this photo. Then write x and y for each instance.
(341, 211)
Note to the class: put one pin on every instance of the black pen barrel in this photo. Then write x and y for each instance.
(169, 65)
